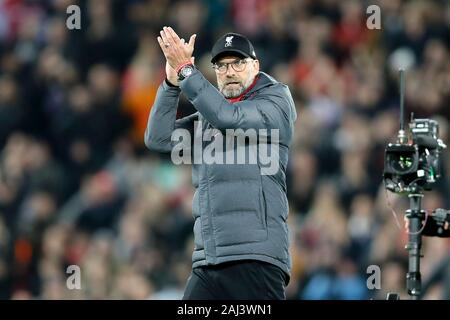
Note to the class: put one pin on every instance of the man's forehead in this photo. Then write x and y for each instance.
(230, 58)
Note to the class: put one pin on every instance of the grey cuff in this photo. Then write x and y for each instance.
(167, 86)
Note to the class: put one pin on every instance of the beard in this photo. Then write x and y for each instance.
(233, 88)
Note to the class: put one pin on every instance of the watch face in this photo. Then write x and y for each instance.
(186, 71)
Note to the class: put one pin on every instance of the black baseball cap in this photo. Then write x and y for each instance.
(232, 43)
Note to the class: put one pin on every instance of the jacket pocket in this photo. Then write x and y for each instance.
(263, 207)
(238, 212)
(238, 228)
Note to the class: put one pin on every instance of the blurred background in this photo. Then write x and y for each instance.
(78, 187)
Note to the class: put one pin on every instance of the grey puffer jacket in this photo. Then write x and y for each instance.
(239, 213)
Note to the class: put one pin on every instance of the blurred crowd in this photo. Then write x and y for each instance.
(78, 187)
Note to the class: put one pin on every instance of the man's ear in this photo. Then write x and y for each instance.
(256, 65)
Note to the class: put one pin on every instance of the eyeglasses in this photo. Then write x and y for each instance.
(237, 65)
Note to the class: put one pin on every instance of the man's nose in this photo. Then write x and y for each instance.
(230, 71)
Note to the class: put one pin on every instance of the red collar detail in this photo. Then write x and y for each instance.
(237, 99)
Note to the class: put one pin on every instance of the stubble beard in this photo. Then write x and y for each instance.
(230, 92)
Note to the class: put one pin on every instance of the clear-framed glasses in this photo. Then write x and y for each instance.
(237, 65)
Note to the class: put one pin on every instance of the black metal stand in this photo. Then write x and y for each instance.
(415, 215)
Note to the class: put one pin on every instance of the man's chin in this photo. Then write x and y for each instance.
(230, 94)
